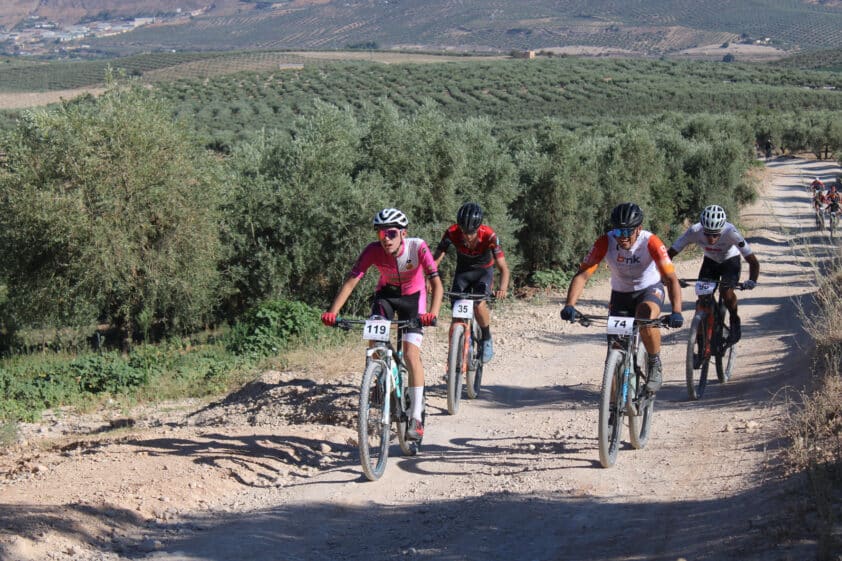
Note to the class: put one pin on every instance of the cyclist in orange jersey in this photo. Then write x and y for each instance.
(640, 269)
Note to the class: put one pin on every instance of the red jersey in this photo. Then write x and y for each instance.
(480, 256)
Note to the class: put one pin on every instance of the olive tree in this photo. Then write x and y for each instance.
(109, 214)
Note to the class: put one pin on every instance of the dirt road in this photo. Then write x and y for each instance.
(271, 473)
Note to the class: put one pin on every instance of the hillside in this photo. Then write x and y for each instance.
(647, 27)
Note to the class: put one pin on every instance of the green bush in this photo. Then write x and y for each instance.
(271, 326)
(108, 372)
(109, 214)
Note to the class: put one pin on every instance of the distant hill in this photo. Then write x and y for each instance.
(640, 27)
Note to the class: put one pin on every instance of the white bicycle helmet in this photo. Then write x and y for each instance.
(390, 217)
(713, 218)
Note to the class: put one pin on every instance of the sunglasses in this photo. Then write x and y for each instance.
(712, 234)
(391, 234)
(623, 232)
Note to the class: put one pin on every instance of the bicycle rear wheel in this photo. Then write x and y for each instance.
(373, 427)
(641, 423)
(475, 366)
(698, 357)
(401, 413)
(611, 409)
(454, 367)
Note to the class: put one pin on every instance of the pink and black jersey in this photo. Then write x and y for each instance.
(407, 270)
(481, 256)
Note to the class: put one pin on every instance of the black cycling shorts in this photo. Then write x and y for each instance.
(727, 272)
(389, 301)
(625, 303)
(473, 281)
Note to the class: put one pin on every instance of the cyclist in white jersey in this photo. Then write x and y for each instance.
(722, 244)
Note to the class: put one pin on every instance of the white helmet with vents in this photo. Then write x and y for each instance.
(390, 217)
(713, 218)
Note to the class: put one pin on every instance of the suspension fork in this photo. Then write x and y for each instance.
(384, 355)
(466, 341)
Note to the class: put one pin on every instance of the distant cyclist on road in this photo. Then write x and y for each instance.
(819, 200)
(404, 263)
(640, 267)
(832, 196)
(478, 251)
(722, 244)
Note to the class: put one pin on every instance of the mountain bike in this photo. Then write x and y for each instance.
(384, 394)
(464, 355)
(708, 338)
(624, 378)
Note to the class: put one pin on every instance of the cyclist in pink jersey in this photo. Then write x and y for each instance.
(639, 267)
(404, 264)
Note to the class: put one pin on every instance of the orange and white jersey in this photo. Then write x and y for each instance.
(636, 268)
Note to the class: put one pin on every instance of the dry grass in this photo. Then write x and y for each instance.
(815, 427)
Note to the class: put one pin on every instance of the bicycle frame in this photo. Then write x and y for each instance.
(707, 337)
(381, 390)
(464, 332)
(624, 390)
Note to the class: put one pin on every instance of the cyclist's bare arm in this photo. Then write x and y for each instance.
(344, 293)
(674, 291)
(438, 294)
(753, 267)
(577, 285)
(503, 267)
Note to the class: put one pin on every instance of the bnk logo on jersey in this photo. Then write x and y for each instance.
(630, 260)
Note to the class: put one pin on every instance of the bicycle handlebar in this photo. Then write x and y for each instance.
(586, 320)
(684, 283)
(414, 323)
(472, 296)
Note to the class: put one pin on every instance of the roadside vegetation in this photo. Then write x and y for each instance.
(815, 428)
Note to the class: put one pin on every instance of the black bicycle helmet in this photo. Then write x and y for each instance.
(626, 215)
(469, 217)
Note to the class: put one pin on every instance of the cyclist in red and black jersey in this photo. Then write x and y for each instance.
(478, 251)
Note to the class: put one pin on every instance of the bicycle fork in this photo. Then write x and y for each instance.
(466, 343)
(389, 380)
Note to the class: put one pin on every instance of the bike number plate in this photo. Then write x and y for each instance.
(704, 288)
(620, 325)
(377, 330)
(463, 309)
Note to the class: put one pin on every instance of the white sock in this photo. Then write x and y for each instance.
(416, 394)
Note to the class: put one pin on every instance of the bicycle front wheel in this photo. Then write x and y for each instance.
(474, 381)
(373, 426)
(726, 356)
(641, 423)
(698, 357)
(611, 409)
(454, 367)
